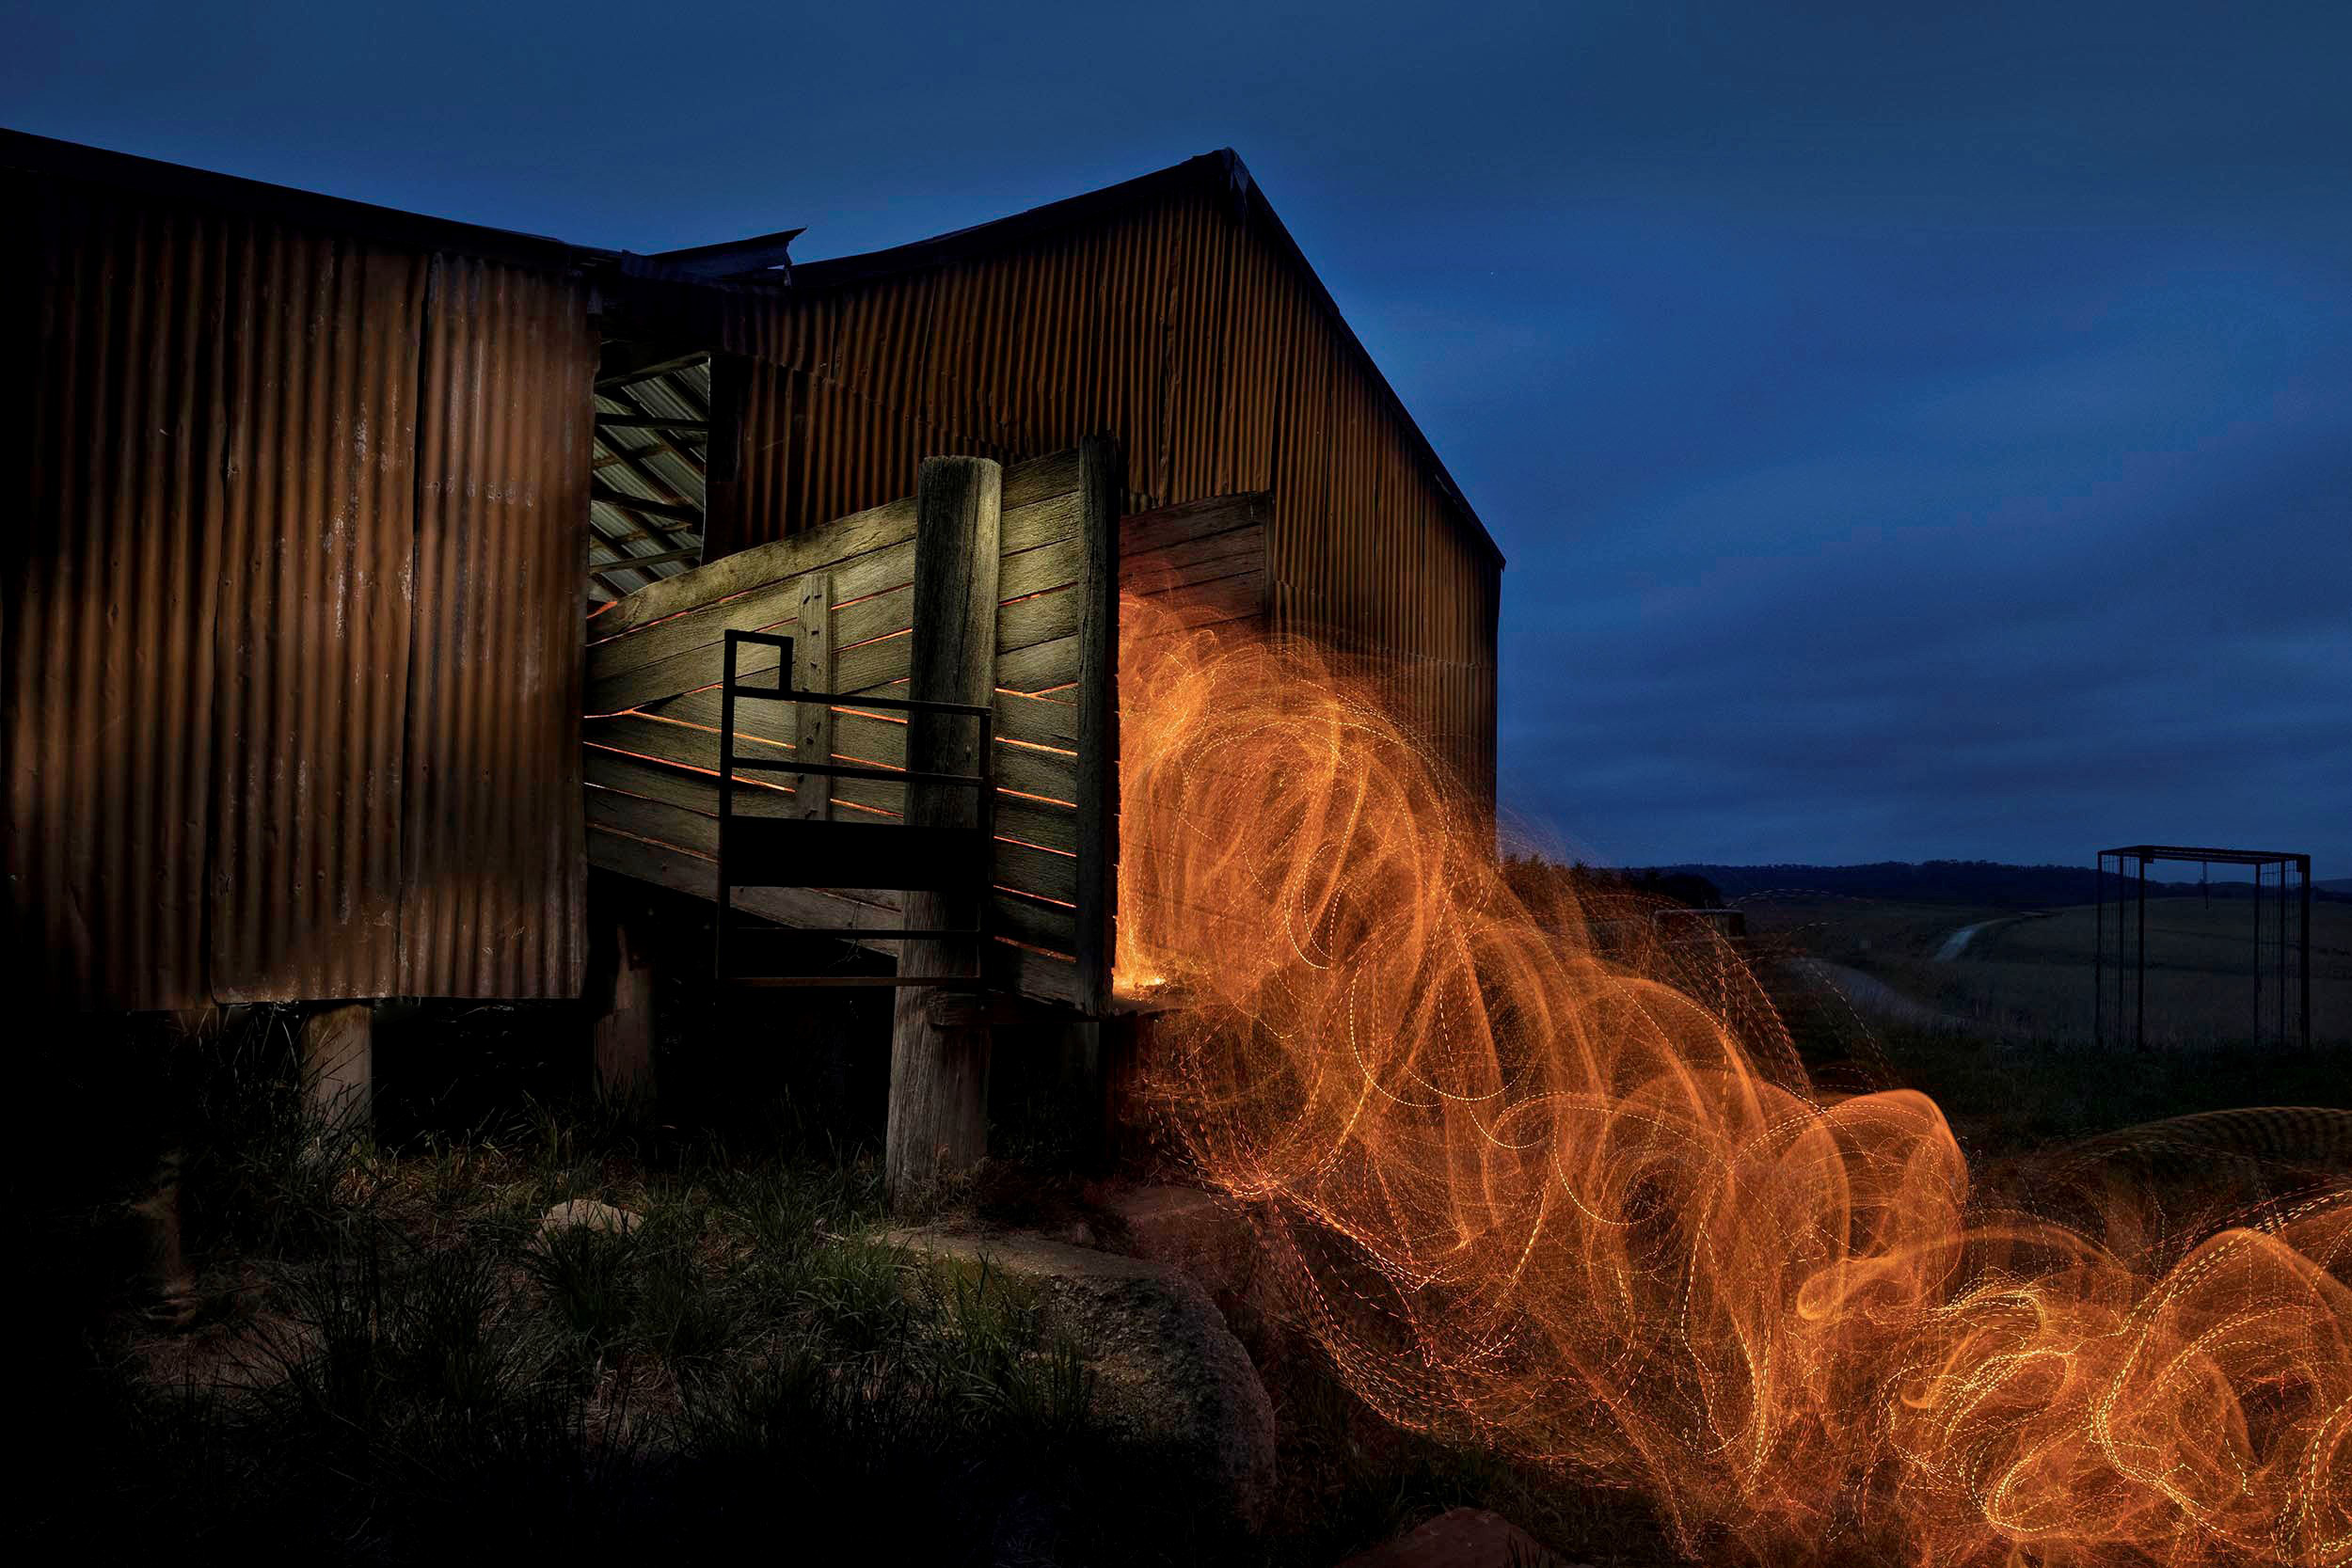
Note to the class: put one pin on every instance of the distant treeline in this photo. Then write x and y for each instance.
(1534, 878)
(1951, 881)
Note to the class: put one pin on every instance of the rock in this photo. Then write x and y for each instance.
(1204, 1234)
(1461, 1538)
(1168, 1374)
(588, 1212)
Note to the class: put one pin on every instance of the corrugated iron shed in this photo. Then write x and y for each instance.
(308, 488)
(1176, 312)
(292, 592)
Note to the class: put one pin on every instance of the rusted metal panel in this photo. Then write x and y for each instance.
(220, 595)
(314, 616)
(491, 829)
(107, 685)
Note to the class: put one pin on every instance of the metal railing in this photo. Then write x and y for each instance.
(810, 851)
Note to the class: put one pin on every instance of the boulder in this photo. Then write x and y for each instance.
(1204, 1234)
(1169, 1376)
(588, 1213)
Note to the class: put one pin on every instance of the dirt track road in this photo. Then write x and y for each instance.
(1869, 994)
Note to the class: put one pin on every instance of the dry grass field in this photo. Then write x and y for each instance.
(2002, 1035)
(2031, 975)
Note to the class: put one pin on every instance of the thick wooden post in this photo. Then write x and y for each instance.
(623, 1035)
(339, 1065)
(1100, 476)
(938, 1123)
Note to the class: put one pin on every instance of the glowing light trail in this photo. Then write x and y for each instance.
(1528, 1194)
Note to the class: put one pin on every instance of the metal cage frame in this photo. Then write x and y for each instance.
(2129, 1017)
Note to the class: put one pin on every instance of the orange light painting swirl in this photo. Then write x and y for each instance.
(1530, 1195)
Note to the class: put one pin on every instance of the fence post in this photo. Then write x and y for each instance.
(1100, 477)
(938, 1124)
(339, 1065)
(623, 1036)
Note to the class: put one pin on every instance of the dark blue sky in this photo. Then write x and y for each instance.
(1917, 430)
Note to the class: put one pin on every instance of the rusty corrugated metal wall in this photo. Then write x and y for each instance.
(112, 550)
(494, 869)
(319, 408)
(268, 678)
(1183, 325)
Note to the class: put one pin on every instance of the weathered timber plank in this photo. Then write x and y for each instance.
(760, 608)
(1150, 531)
(1027, 486)
(679, 787)
(687, 748)
(777, 560)
(768, 608)
(1040, 822)
(682, 744)
(1028, 920)
(1036, 639)
(1030, 771)
(1222, 555)
(1037, 871)
(1043, 823)
(1038, 571)
(874, 591)
(1040, 721)
(868, 665)
(1041, 618)
(1041, 667)
(666, 677)
(1027, 483)
(1206, 603)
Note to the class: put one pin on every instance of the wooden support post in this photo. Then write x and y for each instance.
(1100, 477)
(812, 671)
(624, 1035)
(938, 1124)
(339, 1065)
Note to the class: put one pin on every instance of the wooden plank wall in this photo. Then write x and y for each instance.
(1207, 557)
(651, 732)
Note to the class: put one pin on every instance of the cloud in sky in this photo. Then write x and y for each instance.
(1915, 430)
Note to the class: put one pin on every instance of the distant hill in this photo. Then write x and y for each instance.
(1980, 882)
